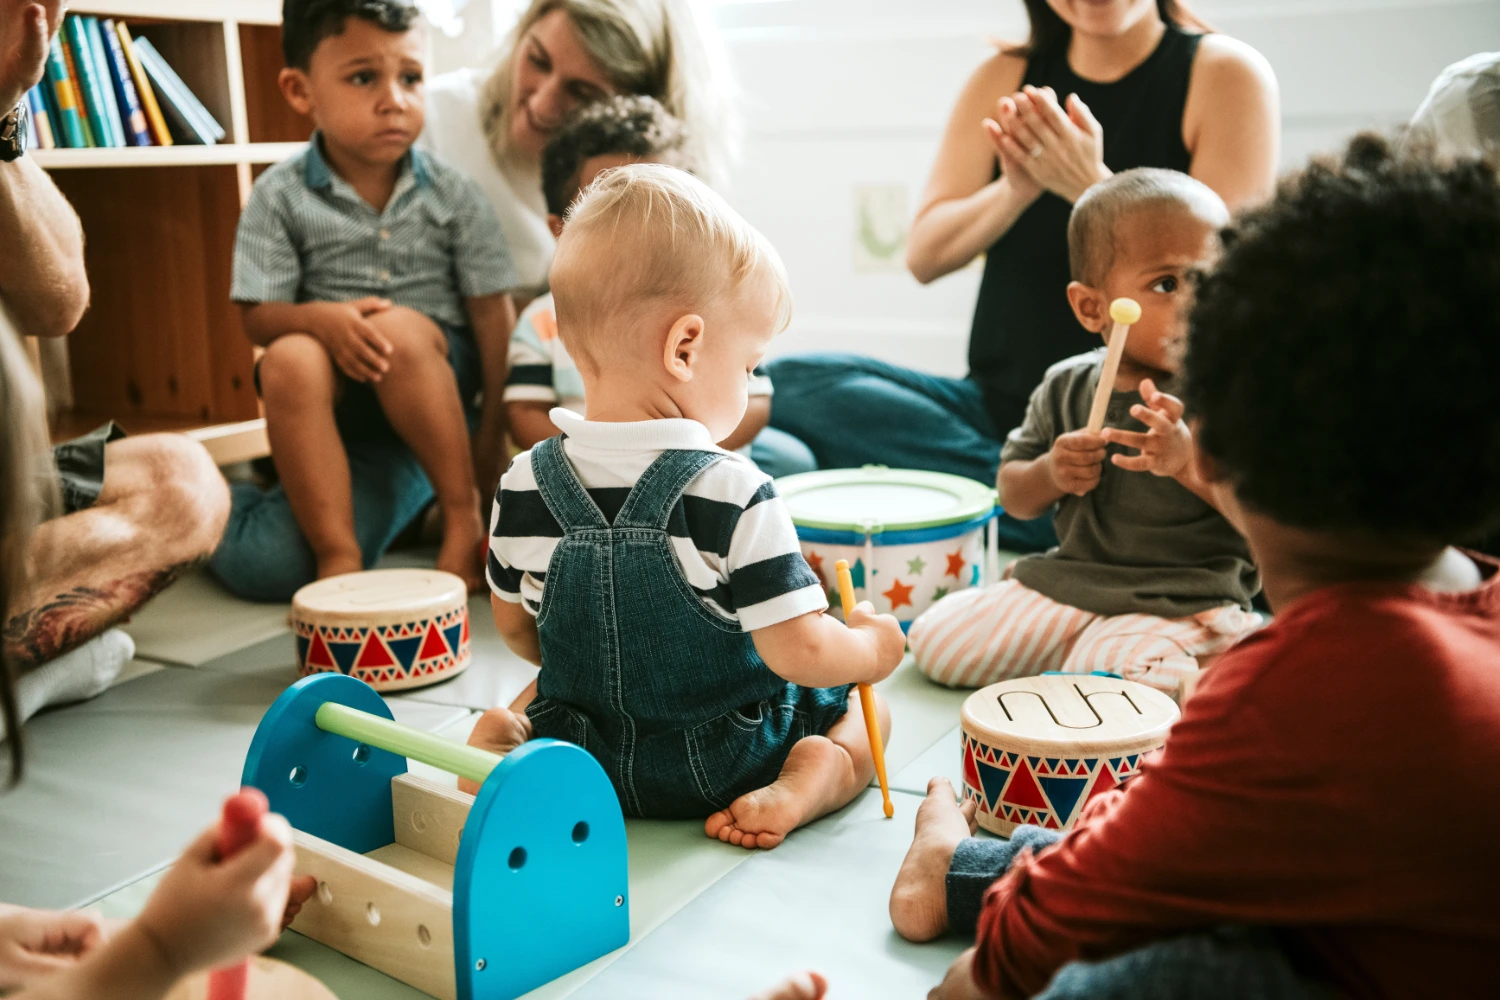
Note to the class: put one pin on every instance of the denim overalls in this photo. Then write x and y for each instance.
(671, 698)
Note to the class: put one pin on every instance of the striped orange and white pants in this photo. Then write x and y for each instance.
(984, 635)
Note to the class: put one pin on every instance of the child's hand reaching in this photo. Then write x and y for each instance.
(206, 913)
(1166, 447)
(803, 986)
(1076, 462)
(885, 636)
(344, 330)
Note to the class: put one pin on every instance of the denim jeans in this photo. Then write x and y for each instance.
(263, 555)
(671, 698)
(853, 411)
(1226, 963)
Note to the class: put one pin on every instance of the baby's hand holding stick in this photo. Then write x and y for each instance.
(866, 693)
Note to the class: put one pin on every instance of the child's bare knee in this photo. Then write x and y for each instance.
(413, 336)
(293, 366)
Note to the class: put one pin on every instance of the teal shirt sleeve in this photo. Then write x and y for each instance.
(481, 256)
(267, 267)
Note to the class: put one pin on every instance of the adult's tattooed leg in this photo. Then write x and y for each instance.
(67, 620)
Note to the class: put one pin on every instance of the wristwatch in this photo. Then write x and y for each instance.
(13, 134)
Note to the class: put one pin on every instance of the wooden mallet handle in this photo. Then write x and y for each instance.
(238, 827)
(866, 694)
(1125, 313)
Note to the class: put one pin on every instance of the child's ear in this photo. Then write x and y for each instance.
(1089, 306)
(555, 223)
(293, 84)
(684, 346)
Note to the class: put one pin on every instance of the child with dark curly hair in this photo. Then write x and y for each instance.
(1340, 373)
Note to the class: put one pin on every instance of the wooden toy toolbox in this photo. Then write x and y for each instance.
(465, 898)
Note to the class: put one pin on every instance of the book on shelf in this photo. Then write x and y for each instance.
(41, 120)
(108, 88)
(133, 115)
(160, 134)
(99, 60)
(90, 137)
(181, 106)
(65, 97)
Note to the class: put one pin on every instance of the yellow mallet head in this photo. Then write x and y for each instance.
(1126, 312)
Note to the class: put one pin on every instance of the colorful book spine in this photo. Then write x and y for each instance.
(99, 59)
(154, 117)
(177, 100)
(70, 55)
(70, 120)
(41, 119)
(137, 131)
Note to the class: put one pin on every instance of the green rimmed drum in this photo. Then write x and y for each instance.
(910, 537)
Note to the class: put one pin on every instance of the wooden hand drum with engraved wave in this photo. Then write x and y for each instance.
(1036, 749)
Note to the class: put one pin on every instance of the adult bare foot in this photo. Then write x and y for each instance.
(803, 986)
(919, 899)
(818, 777)
(499, 731)
(463, 549)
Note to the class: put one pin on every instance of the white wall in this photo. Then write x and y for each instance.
(851, 95)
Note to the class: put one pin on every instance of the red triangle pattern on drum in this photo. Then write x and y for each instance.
(374, 654)
(1103, 783)
(971, 773)
(1023, 790)
(317, 653)
(432, 645)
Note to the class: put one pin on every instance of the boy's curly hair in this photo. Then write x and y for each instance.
(1343, 356)
(630, 126)
(305, 23)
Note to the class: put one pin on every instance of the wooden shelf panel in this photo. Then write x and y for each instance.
(246, 11)
(227, 153)
(229, 443)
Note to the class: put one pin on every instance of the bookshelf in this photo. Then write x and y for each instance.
(161, 346)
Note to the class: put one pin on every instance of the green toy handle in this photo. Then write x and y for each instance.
(383, 734)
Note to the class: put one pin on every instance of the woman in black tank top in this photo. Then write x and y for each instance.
(1175, 98)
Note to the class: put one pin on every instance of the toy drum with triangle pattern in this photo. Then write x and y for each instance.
(1037, 749)
(911, 538)
(391, 628)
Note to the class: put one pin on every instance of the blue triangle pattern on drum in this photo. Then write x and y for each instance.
(452, 633)
(1063, 793)
(1130, 761)
(993, 779)
(1114, 764)
(344, 653)
(302, 644)
(1052, 763)
(1032, 761)
(405, 649)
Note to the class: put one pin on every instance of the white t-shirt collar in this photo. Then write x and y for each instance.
(667, 434)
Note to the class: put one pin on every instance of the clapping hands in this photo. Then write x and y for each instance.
(1044, 145)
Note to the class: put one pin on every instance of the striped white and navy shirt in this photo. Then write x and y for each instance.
(730, 531)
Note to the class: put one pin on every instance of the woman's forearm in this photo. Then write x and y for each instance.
(946, 235)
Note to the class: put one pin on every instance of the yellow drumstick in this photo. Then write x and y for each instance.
(866, 695)
(1125, 313)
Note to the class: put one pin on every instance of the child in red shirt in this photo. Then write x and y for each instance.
(1340, 377)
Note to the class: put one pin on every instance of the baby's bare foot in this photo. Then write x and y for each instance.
(463, 549)
(499, 731)
(919, 899)
(814, 780)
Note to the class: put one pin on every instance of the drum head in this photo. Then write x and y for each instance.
(877, 499)
(380, 594)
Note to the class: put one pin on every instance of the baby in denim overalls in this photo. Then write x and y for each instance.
(655, 577)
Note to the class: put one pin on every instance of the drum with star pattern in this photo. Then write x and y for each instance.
(911, 538)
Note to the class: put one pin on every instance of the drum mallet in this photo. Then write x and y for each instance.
(866, 694)
(1125, 313)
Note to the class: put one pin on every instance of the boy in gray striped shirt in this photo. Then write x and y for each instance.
(375, 276)
(654, 577)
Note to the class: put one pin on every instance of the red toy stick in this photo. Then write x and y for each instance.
(237, 828)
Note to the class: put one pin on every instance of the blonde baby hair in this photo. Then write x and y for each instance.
(645, 237)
